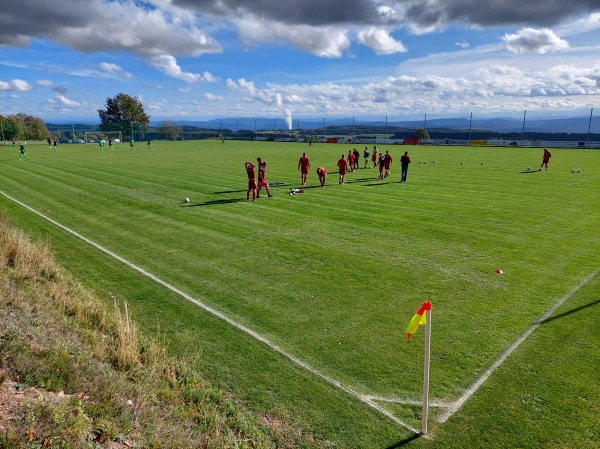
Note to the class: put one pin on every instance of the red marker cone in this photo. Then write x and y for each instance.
(498, 270)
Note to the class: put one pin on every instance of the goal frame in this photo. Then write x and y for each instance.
(105, 135)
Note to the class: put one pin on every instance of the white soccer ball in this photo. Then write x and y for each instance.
(186, 200)
(424, 162)
(483, 163)
(528, 168)
(578, 170)
(462, 163)
(572, 170)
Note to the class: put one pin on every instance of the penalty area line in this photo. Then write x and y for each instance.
(479, 382)
(363, 398)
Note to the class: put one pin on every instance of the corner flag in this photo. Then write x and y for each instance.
(423, 316)
(418, 319)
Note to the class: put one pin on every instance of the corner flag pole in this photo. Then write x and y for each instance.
(423, 316)
(426, 372)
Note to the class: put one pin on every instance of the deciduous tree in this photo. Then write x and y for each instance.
(168, 130)
(124, 113)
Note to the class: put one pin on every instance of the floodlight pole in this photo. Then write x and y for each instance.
(426, 372)
(3, 139)
(523, 130)
(470, 123)
(589, 125)
(386, 127)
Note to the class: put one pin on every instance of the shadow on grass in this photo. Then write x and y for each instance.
(530, 171)
(215, 202)
(405, 441)
(229, 191)
(383, 182)
(569, 312)
(271, 185)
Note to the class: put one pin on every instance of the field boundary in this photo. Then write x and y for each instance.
(363, 398)
(481, 380)
(450, 407)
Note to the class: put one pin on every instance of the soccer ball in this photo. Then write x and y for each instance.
(462, 163)
(186, 200)
(528, 168)
(424, 162)
(483, 163)
(572, 170)
(578, 170)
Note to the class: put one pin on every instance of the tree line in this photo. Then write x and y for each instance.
(126, 114)
(23, 127)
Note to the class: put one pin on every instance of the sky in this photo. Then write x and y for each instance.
(61, 60)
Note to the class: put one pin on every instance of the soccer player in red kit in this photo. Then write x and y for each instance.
(351, 160)
(343, 166)
(387, 161)
(545, 159)
(251, 181)
(303, 166)
(262, 178)
(322, 173)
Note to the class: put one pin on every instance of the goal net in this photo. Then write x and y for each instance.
(97, 136)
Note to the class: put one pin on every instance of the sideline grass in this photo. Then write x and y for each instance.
(332, 275)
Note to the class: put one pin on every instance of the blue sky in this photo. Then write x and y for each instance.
(206, 59)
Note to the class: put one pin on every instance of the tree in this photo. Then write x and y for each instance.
(168, 130)
(34, 128)
(12, 127)
(420, 133)
(124, 113)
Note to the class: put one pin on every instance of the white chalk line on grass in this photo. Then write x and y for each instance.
(402, 401)
(479, 382)
(363, 398)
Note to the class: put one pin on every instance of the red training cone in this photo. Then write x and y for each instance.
(498, 270)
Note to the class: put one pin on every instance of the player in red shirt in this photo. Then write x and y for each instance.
(545, 159)
(251, 181)
(262, 178)
(387, 161)
(351, 160)
(322, 173)
(343, 166)
(303, 166)
(374, 158)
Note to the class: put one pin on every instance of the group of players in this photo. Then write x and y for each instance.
(379, 159)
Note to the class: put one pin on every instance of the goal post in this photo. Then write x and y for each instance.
(96, 136)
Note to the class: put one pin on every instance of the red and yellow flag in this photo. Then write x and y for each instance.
(418, 319)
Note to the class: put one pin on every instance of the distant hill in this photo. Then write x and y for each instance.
(494, 124)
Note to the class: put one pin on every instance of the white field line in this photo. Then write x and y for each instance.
(365, 399)
(479, 382)
(402, 401)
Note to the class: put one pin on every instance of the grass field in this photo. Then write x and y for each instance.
(332, 277)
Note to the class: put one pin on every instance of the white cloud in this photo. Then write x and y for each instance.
(212, 97)
(241, 84)
(15, 85)
(380, 41)
(109, 67)
(62, 100)
(463, 44)
(168, 65)
(326, 42)
(46, 83)
(209, 77)
(530, 40)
